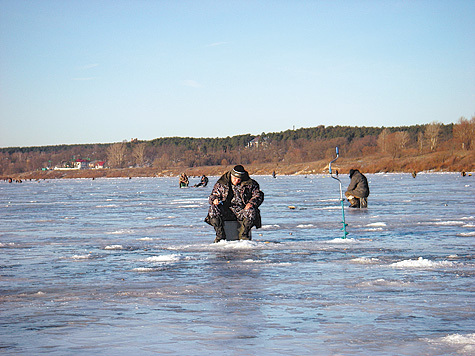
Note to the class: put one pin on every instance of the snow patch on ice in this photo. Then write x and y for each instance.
(305, 226)
(238, 244)
(448, 223)
(464, 343)
(80, 257)
(421, 263)
(252, 261)
(114, 247)
(381, 282)
(265, 227)
(144, 269)
(376, 224)
(365, 260)
(8, 244)
(164, 258)
(341, 241)
(119, 232)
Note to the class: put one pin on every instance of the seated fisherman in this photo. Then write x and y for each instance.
(183, 181)
(203, 182)
(235, 196)
(358, 190)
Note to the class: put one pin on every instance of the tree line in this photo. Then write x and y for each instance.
(290, 146)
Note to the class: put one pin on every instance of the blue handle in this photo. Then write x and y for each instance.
(337, 151)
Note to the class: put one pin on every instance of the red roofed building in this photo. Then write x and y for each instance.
(81, 164)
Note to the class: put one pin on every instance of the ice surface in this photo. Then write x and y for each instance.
(122, 267)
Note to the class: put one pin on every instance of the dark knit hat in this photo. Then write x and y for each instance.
(239, 171)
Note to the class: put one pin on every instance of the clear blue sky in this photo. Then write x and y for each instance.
(105, 71)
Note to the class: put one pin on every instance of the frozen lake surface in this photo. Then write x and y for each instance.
(128, 267)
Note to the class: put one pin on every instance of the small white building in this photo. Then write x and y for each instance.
(257, 141)
(81, 164)
(254, 142)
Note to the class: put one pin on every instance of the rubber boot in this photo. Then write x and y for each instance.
(363, 202)
(355, 202)
(218, 225)
(244, 230)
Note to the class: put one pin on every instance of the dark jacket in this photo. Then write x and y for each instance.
(248, 191)
(358, 184)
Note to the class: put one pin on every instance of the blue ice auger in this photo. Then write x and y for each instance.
(341, 194)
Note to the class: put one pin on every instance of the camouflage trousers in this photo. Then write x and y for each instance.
(232, 213)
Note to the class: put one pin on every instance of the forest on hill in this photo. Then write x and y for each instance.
(432, 146)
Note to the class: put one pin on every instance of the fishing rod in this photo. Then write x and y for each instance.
(341, 193)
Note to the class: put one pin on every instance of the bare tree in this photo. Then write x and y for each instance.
(432, 134)
(396, 142)
(360, 145)
(163, 162)
(116, 154)
(403, 139)
(420, 142)
(393, 146)
(383, 140)
(464, 133)
(138, 153)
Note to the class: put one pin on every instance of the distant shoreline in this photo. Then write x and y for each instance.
(434, 162)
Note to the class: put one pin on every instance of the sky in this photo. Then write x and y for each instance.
(82, 71)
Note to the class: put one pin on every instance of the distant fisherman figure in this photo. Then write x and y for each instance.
(358, 190)
(183, 181)
(203, 181)
(235, 197)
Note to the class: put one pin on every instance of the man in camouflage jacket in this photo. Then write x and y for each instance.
(235, 196)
